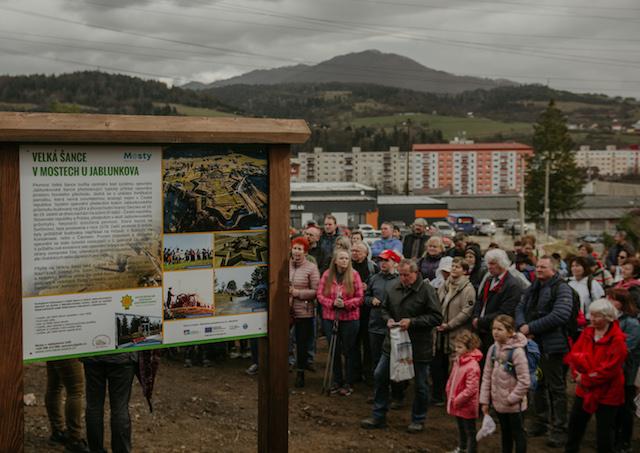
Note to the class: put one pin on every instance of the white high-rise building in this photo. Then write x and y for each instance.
(609, 161)
(385, 170)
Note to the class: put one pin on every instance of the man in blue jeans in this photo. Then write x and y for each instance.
(411, 305)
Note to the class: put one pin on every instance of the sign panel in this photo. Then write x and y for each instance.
(136, 247)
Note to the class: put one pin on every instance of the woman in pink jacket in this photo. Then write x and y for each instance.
(505, 382)
(341, 293)
(303, 283)
(463, 388)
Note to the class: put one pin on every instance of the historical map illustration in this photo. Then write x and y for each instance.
(209, 188)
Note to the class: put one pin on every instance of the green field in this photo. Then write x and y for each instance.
(195, 111)
(16, 106)
(450, 126)
(199, 264)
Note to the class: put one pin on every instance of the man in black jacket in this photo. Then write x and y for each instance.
(411, 305)
(413, 244)
(498, 295)
(328, 242)
(543, 315)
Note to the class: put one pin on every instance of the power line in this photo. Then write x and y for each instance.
(534, 13)
(459, 43)
(536, 5)
(90, 65)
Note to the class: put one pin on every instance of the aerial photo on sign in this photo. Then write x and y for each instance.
(213, 188)
(240, 249)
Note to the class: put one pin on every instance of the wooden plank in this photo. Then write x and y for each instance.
(11, 372)
(273, 404)
(70, 128)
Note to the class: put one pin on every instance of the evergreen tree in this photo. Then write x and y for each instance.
(551, 142)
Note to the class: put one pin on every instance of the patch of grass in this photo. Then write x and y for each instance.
(17, 106)
(195, 111)
(450, 126)
(198, 264)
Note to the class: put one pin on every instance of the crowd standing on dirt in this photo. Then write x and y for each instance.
(494, 334)
(498, 333)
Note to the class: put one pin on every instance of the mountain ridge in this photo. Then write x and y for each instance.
(369, 67)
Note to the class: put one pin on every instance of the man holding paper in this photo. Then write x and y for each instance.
(412, 306)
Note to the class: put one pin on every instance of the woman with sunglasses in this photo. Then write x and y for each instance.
(623, 255)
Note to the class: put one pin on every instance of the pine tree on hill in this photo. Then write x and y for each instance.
(552, 142)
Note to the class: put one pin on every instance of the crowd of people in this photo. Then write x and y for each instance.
(175, 255)
(498, 333)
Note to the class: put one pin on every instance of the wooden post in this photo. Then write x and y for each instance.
(273, 384)
(11, 405)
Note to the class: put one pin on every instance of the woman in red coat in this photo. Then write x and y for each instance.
(596, 363)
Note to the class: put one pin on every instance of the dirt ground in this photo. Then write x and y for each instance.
(215, 409)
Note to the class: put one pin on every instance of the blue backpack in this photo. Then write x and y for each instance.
(532, 351)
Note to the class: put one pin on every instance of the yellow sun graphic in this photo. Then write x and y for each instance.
(126, 301)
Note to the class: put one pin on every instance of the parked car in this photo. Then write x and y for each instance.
(485, 227)
(370, 236)
(365, 227)
(444, 229)
(592, 238)
(462, 223)
(514, 224)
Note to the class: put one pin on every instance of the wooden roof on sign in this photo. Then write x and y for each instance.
(69, 128)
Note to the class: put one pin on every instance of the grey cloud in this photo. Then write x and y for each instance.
(237, 36)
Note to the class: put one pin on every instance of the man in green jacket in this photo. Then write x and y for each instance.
(411, 305)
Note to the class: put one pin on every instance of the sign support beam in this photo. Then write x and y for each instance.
(273, 385)
(11, 371)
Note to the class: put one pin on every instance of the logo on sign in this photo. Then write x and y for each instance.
(126, 301)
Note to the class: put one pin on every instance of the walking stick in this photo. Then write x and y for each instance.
(328, 371)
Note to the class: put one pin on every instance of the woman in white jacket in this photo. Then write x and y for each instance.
(587, 288)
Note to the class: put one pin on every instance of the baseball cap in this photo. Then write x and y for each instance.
(389, 255)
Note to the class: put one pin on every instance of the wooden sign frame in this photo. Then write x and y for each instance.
(29, 128)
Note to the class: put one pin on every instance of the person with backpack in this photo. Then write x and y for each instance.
(463, 389)
(582, 282)
(548, 314)
(596, 363)
(505, 382)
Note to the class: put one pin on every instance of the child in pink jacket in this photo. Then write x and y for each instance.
(505, 382)
(463, 388)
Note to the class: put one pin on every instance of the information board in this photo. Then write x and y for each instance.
(136, 247)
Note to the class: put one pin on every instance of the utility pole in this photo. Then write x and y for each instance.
(546, 198)
(521, 195)
(406, 186)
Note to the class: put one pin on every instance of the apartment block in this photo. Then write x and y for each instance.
(610, 161)
(387, 171)
(467, 168)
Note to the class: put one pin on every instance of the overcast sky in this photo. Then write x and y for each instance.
(579, 45)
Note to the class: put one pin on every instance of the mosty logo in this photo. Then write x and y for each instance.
(126, 301)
